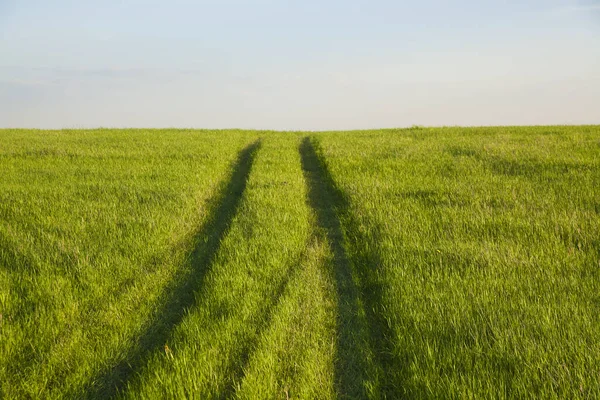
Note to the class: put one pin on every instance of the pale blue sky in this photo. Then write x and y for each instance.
(310, 64)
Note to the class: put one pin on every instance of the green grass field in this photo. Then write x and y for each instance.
(410, 263)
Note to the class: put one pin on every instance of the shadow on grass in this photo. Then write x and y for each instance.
(180, 297)
(240, 362)
(364, 367)
(353, 365)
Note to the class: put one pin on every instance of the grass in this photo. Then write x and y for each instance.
(480, 253)
(416, 263)
(94, 229)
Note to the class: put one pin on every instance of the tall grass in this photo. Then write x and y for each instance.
(242, 336)
(93, 227)
(480, 253)
(410, 263)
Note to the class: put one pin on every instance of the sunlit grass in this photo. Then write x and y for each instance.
(94, 225)
(412, 263)
(484, 244)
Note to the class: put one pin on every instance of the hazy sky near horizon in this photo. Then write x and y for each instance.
(311, 64)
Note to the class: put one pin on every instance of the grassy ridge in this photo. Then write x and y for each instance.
(411, 263)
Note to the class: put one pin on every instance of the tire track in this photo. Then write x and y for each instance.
(180, 296)
(365, 343)
(355, 372)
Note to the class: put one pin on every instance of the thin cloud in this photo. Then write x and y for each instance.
(581, 8)
(588, 7)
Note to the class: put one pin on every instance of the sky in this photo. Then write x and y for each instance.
(298, 64)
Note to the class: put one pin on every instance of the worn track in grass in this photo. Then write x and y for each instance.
(180, 297)
(417, 263)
